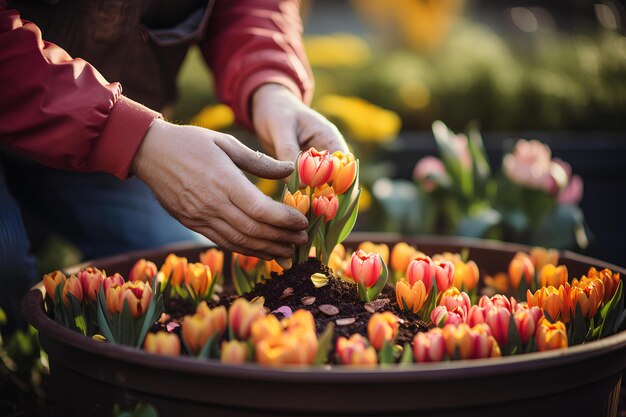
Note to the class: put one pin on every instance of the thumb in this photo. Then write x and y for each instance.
(253, 162)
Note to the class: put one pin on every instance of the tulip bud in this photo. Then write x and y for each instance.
(143, 270)
(247, 263)
(554, 302)
(453, 298)
(90, 279)
(610, 280)
(553, 275)
(298, 201)
(315, 168)
(476, 315)
(411, 298)
(355, 351)
(52, 280)
(429, 346)
(542, 256)
(214, 259)
(401, 255)
(444, 274)
(421, 269)
(498, 319)
(137, 295)
(201, 326)
(587, 294)
(326, 206)
(381, 249)
(241, 315)
(482, 341)
(198, 278)
(466, 275)
(526, 323)
(162, 343)
(173, 269)
(520, 267)
(234, 352)
(72, 286)
(337, 259)
(458, 339)
(366, 268)
(498, 300)
(441, 316)
(114, 280)
(266, 327)
(344, 171)
(550, 336)
(382, 327)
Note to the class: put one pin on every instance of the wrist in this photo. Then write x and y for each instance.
(150, 146)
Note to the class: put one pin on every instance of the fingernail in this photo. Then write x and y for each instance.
(284, 262)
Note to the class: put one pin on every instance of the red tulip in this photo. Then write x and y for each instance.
(366, 268)
(429, 346)
(498, 319)
(90, 279)
(421, 269)
(315, 168)
(444, 275)
(326, 206)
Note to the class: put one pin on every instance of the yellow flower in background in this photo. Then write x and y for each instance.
(362, 120)
(365, 200)
(214, 117)
(337, 50)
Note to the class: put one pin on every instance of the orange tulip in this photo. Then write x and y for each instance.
(429, 346)
(499, 282)
(246, 263)
(588, 294)
(241, 315)
(315, 168)
(201, 326)
(458, 338)
(381, 328)
(90, 279)
(214, 259)
(466, 274)
(411, 298)
(521, 266)
(380, 249)
(326, 206)
(234, 352)
(542, 256)
(553, 275)
(344, 171)
(264, 328)
(198, 278)
(366, 268)
(355, 351)
(552, 301)
(137, 295)
(298, 201)
(173, 269)
(610, 280)
(550, 336)
(143, 270)
(162, 343)
(273, 266)
(337, 259)
(401, 255)
(72, 286)
(289, 348)
(52, 280)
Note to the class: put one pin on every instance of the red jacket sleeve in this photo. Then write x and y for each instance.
(60, 111)
(254, 42)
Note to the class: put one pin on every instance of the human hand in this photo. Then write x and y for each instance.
(285, 125)
(195, 174)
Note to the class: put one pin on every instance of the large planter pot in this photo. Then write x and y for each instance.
(90, 376)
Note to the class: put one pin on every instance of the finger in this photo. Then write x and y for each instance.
(253, 162)
(256, 244)
(321, 134)
(251, 227)
(285, 139)
(221, 241)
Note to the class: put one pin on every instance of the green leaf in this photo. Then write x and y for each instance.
(349, 223)
(209, 347)
(461, 176)
(385, 356)
(126, 323)
(374, 292)
(103, 323)
(613, 310)
(240, 279)
(324, 344)
(294, 180)
(514, 342)
(155, 308)
(407, 355)
(579, 327)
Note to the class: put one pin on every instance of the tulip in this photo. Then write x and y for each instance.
(52, 280)
(241, 315)
(355, 351)
(112, 281)
(381, 328)
(453, 298)
(198, 278)
(162, 343)
(273, 267)
(401, 255)
(588, 295)
(315, 168)
(458, 339)
(295, 348)
(542, 256)
(553, 275)
(337, 259)
(411, 298)
(298, 201)
(521, 266)
(441, 316)
(498, 300)
(381, 249)
(476, 315)
(201, 326)
(429, 346)
(137, 296)
(526, 322)
(326, 206)
(214, 259)
(421, 269)
(498, 319)
(482, 341)
(173, 269)
(552, 301)
(300, 320)
(531, 165)
(366, 268)
(143, 270)
(112, 296)
(550, 336)
(466, 275)
(265, 328)
(234, 352)
(610, 280)
(72, 286)
(499, 282)
(430, 173)
(90, 279)
(444, 274)
(344, 171)
(246, 263)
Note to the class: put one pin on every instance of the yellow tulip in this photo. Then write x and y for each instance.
(298, 201)
(162, 343)
(553, 275)
(550, 335)
(198, 278)
(234, 352)
(411, 297)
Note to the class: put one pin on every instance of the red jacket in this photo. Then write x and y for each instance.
(62, 113)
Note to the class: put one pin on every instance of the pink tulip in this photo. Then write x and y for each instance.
(114, 280)
(441, 316)
(366, 268)
(498, 300)
(315, 168)
(526, 320)
(90, 279)
(481, 341)
(475, 315)
(326, 206)
(421, 269)
(530, 165)
(460, 300)
(444, 275)
(429, 346)
(430, 172)
(498, 319)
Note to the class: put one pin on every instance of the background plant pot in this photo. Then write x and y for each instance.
(90, 376)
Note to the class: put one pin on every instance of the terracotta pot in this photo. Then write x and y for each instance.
(90, 376)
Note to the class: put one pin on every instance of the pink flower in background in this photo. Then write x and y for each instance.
(461, 150)
(572, 192)
(430, 173)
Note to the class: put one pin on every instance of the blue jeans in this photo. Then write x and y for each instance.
(100, 214)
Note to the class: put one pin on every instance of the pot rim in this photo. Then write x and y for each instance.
(32, 306)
